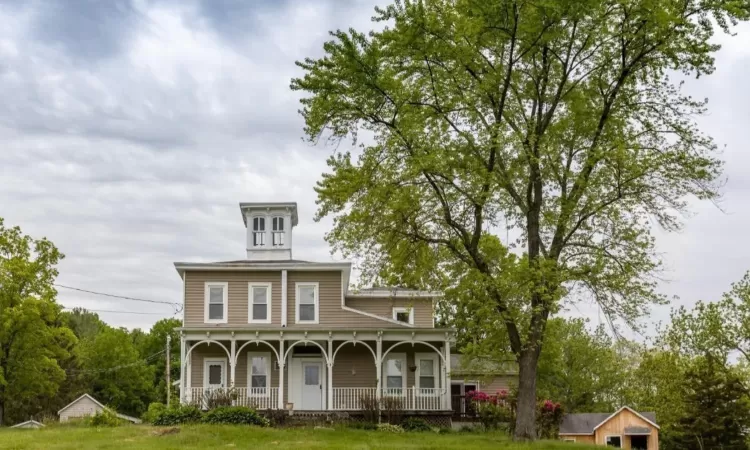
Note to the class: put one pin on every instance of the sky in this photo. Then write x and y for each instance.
(131, 130)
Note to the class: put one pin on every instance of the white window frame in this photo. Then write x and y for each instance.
(213, 360)
(404, 372)
(264, 233)
(207, 297)
(403, 309)
(568, 439)
(622, 441)
(250, 356)
(282, 231)
(251, 298)
(436, 372)
(299, 284)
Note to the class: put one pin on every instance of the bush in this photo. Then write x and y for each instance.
(393, 409)
(387, 427)
(370, 407)
(104, 418)
(177, 415)
(154, 410)
(277, 417)
(415, 424)
(215, 398)
(235, 415)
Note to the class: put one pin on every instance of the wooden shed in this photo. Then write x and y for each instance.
(626, 428)
(87, 405)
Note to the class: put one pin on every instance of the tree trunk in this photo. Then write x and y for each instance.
(526, 408)
(2, 413)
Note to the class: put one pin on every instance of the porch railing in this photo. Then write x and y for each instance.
(258, 398)
(411, 399)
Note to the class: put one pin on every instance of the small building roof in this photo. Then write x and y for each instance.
(121, 416)
(462, 364)
(587, 423)
(29, 424)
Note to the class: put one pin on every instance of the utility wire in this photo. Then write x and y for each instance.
(111, 311)
(177, 306)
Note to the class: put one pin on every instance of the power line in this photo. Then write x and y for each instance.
(112, 311)
(177, 306)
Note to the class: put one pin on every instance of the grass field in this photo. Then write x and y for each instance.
(214, 437)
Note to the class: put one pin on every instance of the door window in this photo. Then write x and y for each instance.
(312, 375)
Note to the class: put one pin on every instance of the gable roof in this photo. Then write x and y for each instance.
(121, 416)
(588, 423)
(28, 422)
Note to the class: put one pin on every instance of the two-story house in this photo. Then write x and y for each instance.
(285, 333)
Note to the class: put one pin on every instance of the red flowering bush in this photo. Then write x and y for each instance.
(549, 416)
(491, 409)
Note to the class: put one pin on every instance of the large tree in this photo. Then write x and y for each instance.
(556, 119)
(33, 337)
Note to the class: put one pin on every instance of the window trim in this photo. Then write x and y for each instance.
(207, 297)
(569, 439)
(250, 356)
(418, 357)
(263, 232)
(403, 309)
(250, 303)
(213, 360)
(614, 435)
(384, 374)
(299, 284)
(281, 231)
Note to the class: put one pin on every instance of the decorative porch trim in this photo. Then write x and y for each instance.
(256, 342)
(307, 341)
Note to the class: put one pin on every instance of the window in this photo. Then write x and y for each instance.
(395, 374)
(567, 439)
(613, 441)
(405, 315)
(307, 302)
(216, 302)
(260, 302)
(259, 231)
(427, 371)
(258, 369)
(277, 228)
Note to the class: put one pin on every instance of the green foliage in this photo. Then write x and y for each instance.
(235, 415)
(155, 341)
(555, 120)
(178, 415)
(582, 370)
(33, 338)
(104, 418)
(415, 424)
(550, 416)
(154, 410)
(389, 428)
(716, 411)
(118, 377)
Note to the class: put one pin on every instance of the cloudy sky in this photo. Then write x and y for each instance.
(130, 131)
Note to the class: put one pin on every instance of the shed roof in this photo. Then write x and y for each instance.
(587, 423)
(121, 416)
(28, 424)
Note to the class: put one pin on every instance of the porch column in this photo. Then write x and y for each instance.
(282, 364)
(182, 368)
(379, 366)
(189, 376)
(447, 376)
(232, 359)
(329, 390)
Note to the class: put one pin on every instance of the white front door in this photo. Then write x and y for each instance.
(215, 373)
(312, 386)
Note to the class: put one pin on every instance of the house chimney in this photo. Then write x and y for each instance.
(269, 230)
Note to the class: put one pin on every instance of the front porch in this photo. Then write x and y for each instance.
(315, 370)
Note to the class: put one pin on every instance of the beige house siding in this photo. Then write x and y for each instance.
(423, 309)
(195, 283)
(330, 312)
(354, 367)
(616, 427)
(81, 408)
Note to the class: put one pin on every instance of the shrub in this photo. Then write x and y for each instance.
(387, 427)
(415, 424)
(235, 415)
(214, 398)
(154, 410)
(392, 408)
(277, 417)
(177, 415)
(548, 419)
(492, 410)
(370, 407)
(104, 418)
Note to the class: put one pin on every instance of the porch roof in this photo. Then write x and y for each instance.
(321, 333)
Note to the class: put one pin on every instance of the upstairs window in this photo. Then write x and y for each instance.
(307, 302)
(259, 373)
(405, 315)
(259, 231)
(277, 230)
(260, 303)
(216, 302)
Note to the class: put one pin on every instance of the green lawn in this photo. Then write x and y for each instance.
(212, 436)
